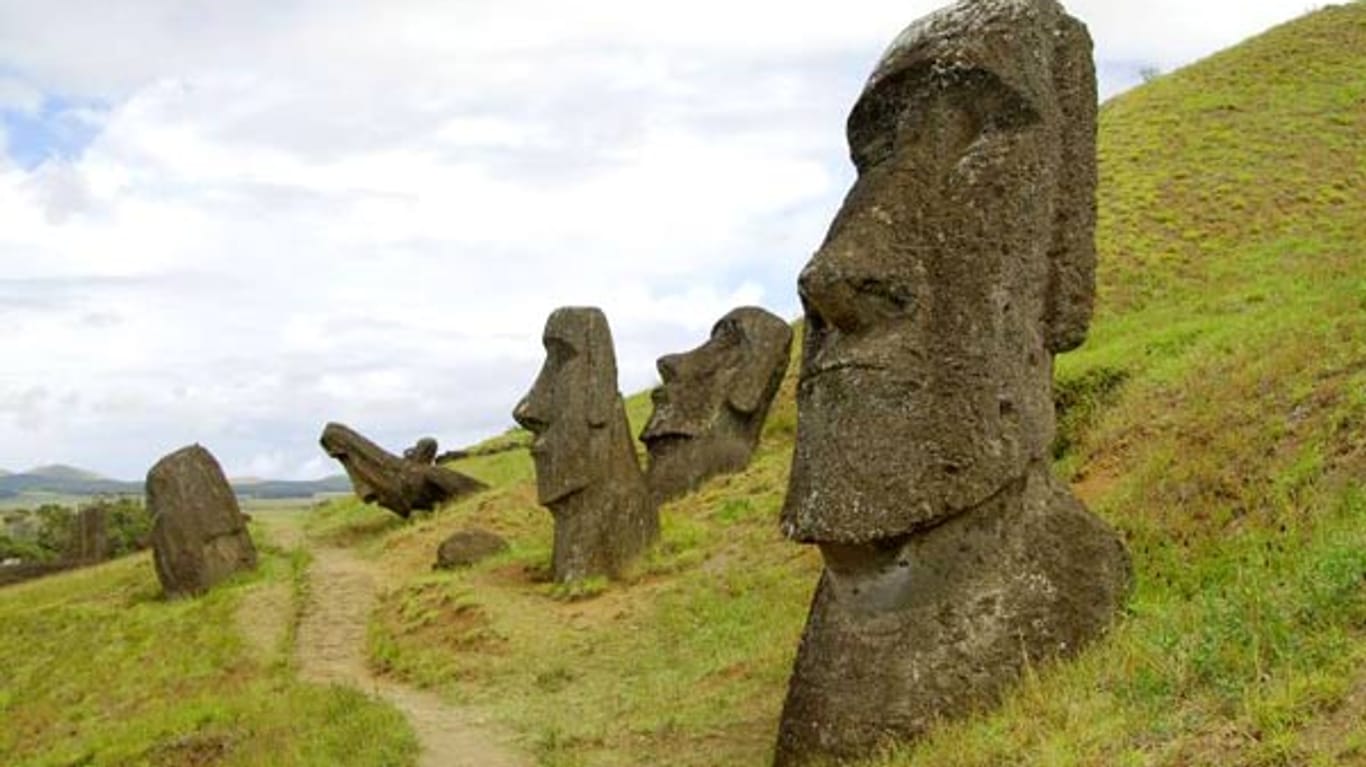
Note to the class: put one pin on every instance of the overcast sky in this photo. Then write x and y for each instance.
(230, 222)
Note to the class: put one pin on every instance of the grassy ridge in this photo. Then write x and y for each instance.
(1217, 416)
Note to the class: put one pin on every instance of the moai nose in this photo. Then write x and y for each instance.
(828, 297)
(527, 417)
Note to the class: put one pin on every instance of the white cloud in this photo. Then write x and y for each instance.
(20, 96)
(292, 212)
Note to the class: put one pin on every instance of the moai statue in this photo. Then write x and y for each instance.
(962, 260)
(712, 403)
(586, 469)
(401, 485)
(199, 535)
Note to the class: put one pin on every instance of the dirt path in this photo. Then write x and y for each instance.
(331, 650)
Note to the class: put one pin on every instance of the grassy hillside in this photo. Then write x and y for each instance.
(1216, 416)
(97, 669)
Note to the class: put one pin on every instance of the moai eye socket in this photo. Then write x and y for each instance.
(945, 109)
(560, 350)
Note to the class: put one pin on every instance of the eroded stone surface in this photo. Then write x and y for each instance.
(423, 452)
(711, 404)
(401, 485)
(586, 469)
(90, 536)
(199, 536)
(962, 260)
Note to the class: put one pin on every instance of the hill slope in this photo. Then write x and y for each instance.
(1217, 416)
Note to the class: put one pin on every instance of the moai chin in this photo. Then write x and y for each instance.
(962, 260)
(712, 402)
(586, 468)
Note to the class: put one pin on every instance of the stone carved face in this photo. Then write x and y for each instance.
(961, 260)
(726, 380)
(365, 462)
(571, 404)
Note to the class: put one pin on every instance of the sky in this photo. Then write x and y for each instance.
(231, 222)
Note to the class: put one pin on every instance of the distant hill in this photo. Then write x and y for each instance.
(63, 472)
(278, 488)
(72, 481)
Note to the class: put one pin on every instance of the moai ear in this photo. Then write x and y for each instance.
(768, 351)
(602, 370)
(1072, 257)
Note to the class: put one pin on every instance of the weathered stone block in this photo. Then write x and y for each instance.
(199, 536)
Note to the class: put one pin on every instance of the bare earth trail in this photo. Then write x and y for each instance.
(330, 649)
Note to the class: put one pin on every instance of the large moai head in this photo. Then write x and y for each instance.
(961, 261)
(711, 405)
(571, 406)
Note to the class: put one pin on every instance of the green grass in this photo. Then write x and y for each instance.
(97, 669)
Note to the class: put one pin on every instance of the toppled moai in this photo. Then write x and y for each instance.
(712, 401)
(962, 260)
(401, 485)
(199, 536)
(89, 536)
(586, 468)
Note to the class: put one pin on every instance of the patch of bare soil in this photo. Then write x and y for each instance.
(191, 751)
(331, 650)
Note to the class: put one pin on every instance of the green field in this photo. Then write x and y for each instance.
(97, 669)
(1216, 417)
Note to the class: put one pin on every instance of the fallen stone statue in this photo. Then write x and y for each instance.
(712, 401)
(962, 260)
(401, 485)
